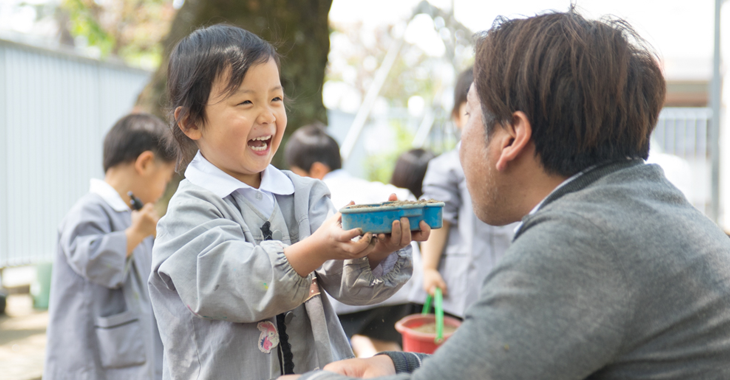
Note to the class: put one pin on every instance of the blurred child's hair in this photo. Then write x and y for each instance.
(463, 82)
(133, 135)
(310, 144)
(216, 52)
(410, 170)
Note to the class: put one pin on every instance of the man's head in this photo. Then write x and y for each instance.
(311, 152)
(556, 94)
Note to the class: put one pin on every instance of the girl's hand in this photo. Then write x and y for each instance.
(400, 236)
(329, 242)
(338, 244)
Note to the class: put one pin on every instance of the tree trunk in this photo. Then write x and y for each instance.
(298, 28)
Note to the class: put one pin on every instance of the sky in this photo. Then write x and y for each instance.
(681, 31)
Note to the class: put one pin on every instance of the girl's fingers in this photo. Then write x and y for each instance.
(392, 197)
(396, 233)
(424, 233)
(359, 248)
(345, 236)
(405, 232)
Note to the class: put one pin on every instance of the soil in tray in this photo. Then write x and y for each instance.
(430, 328)
(396, 204)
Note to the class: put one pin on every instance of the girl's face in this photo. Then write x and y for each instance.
(244, 130)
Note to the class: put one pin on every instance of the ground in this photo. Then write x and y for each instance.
(22, 339)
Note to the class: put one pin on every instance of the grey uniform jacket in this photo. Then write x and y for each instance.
(473, 247)
(101, 325)
(214, 290)
(615, 277)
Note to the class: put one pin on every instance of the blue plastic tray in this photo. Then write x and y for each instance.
(378, 217)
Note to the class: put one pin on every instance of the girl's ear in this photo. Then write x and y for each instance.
(189, 128)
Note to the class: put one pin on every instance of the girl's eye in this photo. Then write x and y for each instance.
(276, 99)
(245, 102)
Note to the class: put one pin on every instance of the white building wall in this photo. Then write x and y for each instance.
(55, 109)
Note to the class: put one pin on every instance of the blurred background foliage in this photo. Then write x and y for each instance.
(327, 64)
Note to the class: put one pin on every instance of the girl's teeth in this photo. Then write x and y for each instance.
(260, 148)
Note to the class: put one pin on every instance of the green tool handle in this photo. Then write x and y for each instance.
(438, 306)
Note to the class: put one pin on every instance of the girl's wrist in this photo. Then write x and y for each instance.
(304, 256)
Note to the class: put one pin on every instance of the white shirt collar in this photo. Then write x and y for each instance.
(108, 194)
(206, 175)
(337, 174)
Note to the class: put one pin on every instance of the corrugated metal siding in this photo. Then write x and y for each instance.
(55, 110)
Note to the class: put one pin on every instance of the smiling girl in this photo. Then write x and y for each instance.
(245, 250)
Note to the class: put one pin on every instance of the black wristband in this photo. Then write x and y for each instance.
(405, 361)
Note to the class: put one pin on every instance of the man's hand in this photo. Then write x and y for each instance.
(144, 223)
(378, 365)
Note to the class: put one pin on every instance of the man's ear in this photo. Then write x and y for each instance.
(515, 140)
(144, 162)
(189, 128)
(318, 170)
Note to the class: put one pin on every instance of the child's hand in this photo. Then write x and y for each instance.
(329, 242)
(144, 223)
(400, 236)
(431, 280)
(338, 244)
(145, 220)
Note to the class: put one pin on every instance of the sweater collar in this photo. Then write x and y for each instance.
(581, 182)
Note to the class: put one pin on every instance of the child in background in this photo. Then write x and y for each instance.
(100, 320)
(311, 152)
(245, 249)
(458, 256)
(410, 169)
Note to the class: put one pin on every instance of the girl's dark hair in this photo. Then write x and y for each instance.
(310, 144)
(463, 82)
(196, 62)
(410, 170)
(592, 90)
(133, 135)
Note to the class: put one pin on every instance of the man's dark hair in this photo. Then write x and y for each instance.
(410, 168)
(196, 61)
(592, 90)
(463, 82)
(310, 144)
(133, 135)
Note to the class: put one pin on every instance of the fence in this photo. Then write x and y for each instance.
(55, 109)
(684, 132)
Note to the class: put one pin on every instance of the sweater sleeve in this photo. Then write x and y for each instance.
(92, 249)
(556, 307)
(206, 259)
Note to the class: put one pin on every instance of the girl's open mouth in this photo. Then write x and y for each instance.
(260, 144)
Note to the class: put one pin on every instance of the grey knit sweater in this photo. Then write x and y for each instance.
(616, 276)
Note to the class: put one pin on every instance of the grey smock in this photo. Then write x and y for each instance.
(100, 325)
(217, 286)
(472, 247)
(615, 277)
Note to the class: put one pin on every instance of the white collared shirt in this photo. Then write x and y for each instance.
(208, 176)
(108, 194)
